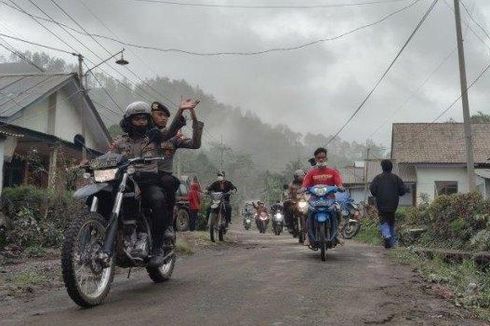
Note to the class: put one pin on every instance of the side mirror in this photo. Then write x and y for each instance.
(285, 187)
(312, 161)
(79, 141)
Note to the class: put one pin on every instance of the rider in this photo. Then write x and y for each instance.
(292, 193)
(321, 174)
(259, 208)
(136, 123)
(223, 185)
(160, 115)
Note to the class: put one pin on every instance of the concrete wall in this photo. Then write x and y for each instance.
(427, 176)
(34, 117)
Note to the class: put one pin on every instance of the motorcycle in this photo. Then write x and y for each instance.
(262, 221)
(247, 222)
(115, 231)
(217, 220)
(300, 214)
(351, 216)
(247, 217)
(323, 214)
(277, 220)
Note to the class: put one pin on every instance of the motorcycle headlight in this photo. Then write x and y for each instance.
(302, 204)
(320, 191)
(105, 175)
(278, 216)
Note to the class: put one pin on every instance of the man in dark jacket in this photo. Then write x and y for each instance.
(225, 186)
(387, 189)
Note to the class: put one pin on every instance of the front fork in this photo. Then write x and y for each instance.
(111, 233)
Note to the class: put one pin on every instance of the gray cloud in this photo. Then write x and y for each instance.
(313, 89)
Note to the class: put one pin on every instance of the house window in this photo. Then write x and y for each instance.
(446, 187)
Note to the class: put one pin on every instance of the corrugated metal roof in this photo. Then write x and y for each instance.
(18, 91)
(438, 143)
(355, 175)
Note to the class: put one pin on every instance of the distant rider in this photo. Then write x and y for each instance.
(225, 186)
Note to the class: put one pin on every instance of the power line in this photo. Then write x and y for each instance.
(36, 44)
(413, 94)
(477, 23)
(10, 48)
(244, 53)
(358, 109)
(132, 52)
(209, 5)
(466, 91)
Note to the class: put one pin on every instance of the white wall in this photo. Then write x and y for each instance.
(427, 176)
(34, 117)
(68, 121)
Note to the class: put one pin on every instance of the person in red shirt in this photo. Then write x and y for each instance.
(320, 174)
(194, 203)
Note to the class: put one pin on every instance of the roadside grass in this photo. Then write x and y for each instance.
(464, 284)
(29, 278)
(183, 247)
(369, 233)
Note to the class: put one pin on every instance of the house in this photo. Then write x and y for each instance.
(435, 154)
(40, 115)
(353, 179)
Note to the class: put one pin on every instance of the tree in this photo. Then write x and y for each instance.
(480, 117)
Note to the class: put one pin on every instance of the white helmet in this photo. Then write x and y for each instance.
(135, 108)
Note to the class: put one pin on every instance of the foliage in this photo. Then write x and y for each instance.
(480, 117)
(468, 285)
(36, 217)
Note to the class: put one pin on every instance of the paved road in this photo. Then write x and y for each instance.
(260, 280)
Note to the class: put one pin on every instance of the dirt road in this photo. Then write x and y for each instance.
(259, 280)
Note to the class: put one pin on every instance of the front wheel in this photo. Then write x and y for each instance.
(221, 233)
(182, 220)
(212, 226)
(322, 241)
(86, 280)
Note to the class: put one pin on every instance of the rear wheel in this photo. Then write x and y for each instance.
(182, 220)
(86, 280)
(322, 241)
(221, 234)
(164, 272)
(350, 230)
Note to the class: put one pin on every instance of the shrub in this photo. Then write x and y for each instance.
(36, 217)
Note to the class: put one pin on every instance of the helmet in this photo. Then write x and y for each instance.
(135, 108)
(299, 173)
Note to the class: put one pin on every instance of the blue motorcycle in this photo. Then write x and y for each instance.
(323, 218)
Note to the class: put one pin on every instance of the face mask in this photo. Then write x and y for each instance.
(221, 178)
(321, 164)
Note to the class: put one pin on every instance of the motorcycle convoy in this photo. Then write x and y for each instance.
(332, 213)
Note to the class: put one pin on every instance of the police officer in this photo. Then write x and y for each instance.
(160, 115)
(135, 143)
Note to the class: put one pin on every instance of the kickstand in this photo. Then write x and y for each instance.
(129, 272)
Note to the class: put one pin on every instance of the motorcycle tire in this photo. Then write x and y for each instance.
(162, 273)
(322, 241)
(350, 230)
(69, 256)
(212, 227)
(301, 237)
(221, 233)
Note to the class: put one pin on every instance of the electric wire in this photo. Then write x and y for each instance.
(241, 53)
(318, 6)
(373, 89)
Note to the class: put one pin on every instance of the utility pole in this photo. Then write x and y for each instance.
(82, 112)
(221, 150)
(470, 161)
(366, 181)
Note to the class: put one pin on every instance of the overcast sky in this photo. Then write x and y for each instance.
(314, 89)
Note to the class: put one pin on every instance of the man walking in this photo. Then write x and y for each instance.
(387, 188)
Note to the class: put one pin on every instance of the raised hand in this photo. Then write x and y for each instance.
(188, 104)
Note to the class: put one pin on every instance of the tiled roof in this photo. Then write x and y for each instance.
(438, 143)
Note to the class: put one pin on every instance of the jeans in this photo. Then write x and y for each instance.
(193, 219)
(387, 227)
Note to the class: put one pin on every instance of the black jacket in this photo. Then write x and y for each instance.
(222, 186)
(387, 189)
